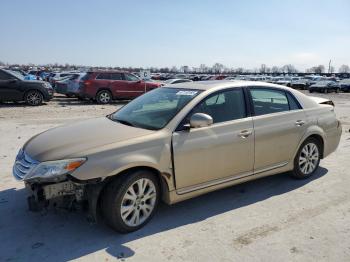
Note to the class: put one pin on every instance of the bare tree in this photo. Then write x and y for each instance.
(316, 69)
(275, 69)
(262, 69)
(344, 69)
(289, 69)
(217, 68)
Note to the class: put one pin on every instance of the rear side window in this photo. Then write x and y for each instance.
(87, 76)
(268, 101)
(104, 76)
(293, 104)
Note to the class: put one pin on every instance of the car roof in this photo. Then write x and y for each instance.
(222, 84)
(107, 71)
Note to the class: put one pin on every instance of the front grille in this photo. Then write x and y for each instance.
(23, 165)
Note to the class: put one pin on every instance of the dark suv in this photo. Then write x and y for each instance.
(13, 87)
(104, 86)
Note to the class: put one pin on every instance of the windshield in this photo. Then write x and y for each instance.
(323, 83)
(154, 109)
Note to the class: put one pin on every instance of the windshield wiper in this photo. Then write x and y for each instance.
(125, 122)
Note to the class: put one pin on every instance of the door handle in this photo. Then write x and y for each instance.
(245, 133)
(299, 122)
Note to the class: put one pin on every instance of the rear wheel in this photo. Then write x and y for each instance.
(307, 159)
(34, 98)
(129, 202)
(104, 97)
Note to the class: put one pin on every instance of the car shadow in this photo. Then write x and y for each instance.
(18, 104)
(61, 235)
(65, 101)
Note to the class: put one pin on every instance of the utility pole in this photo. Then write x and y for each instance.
(329, 66)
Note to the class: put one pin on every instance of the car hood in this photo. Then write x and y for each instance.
(72, 140)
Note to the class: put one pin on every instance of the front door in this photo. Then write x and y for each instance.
(132, 87)
(221, 151)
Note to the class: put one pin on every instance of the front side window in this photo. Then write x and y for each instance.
(268, 101)
(223, 106)
(131, 77)
(154, 109)
(4, 76)
(116, 76)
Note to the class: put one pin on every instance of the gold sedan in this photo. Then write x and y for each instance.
(174, 143)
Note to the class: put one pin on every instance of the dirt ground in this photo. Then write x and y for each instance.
(271, 219)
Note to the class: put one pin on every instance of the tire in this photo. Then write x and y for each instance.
(69, 95)
(307, 159)
(103, 97)
(34, 98)
(311, 91)
(119, 193)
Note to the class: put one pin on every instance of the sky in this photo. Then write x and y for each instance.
(166, 33)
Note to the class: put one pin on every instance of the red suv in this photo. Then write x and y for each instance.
(104, 86)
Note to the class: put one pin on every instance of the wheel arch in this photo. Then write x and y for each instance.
(95, 201)
(103, 89)
(317, 133)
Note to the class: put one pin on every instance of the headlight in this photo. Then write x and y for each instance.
(51, 169)
(47, 85)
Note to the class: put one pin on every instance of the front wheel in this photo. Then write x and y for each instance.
(307, 159)
(34, 98)
(130, 201)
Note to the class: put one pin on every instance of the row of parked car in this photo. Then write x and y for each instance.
(105, 86)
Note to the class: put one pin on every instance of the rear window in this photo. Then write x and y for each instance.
(87, 76)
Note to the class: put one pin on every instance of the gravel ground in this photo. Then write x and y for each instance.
(271, 219)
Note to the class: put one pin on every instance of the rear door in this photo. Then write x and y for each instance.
(279, 124)
(102, 81)
(117, 83)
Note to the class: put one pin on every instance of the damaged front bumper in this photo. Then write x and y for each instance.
(63, 194)
(68, 195)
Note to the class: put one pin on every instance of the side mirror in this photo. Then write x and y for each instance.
(200, 120)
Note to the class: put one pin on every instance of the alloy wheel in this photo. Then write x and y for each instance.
(138, 202)
(34, 98)
(308, 158)
(105, 97)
